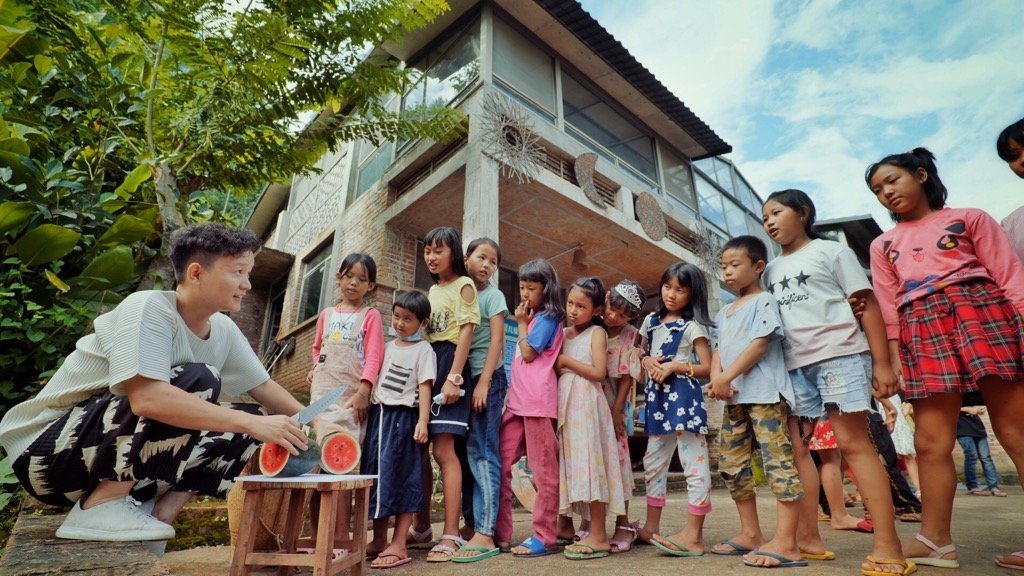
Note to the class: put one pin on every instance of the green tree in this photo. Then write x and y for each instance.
(123, 120)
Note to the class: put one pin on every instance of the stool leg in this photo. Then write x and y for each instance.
(325, 533)
(246, 532)
(360, 512)
(294, 501)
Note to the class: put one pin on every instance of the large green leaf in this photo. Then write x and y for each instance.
(125, 230)
(14, 215)
(46, 243)
(111, 268)
(131, 182)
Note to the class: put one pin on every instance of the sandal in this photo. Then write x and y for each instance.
(336, 554)
(415, 538)
(588, 552)
(446, 552)
(935, 558)
(910, 517)
(535, 548)
(625, 545)
(1013, 561)
(379, 564)
(908, 567)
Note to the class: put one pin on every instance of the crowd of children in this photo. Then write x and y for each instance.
(810, 343)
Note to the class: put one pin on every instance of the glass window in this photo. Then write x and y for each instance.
(454, 66)
(711, 203)
(678, 180)
(746, 195)
(723, 175)
(706, 165)
(524, 67)
(373, 168)
(315, 291)
(599, 122)
(735, 217)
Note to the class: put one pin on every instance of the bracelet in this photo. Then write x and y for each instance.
(689, 370)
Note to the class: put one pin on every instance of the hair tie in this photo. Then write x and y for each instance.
(630, 293)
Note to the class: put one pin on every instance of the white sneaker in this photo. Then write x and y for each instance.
(117, 520)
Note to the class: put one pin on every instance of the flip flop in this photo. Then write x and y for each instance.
(737, 549)
(682, 550)
(484, 553)
(563, 541)
(400, 562)
(536, 548)
(441, 548)
(785, 562)
(590, 554)
(908, 567)
(826, 555)
(866, 526)
(935, 557)
(1017, 559)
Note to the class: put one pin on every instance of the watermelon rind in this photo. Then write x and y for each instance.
(328, 464)
(294, 465)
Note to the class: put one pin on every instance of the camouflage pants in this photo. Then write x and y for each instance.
(745, 426)
(102, 439)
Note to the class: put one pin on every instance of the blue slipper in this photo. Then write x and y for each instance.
(785, 562)
(536, 548)
(737, 549)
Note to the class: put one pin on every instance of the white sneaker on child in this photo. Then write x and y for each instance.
(116, 521)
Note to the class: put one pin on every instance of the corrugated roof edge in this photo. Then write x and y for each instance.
(571, 14)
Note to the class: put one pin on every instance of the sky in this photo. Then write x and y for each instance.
(810, 92)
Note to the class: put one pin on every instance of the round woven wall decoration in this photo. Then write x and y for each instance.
(651, 218)
(509, 138)
(584, 168)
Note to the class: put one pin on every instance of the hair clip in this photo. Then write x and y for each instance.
(630, 293)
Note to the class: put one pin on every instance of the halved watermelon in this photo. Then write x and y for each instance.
(340, 453)
(276, 461)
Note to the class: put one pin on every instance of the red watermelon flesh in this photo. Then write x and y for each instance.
(340, 453)
(276, 461)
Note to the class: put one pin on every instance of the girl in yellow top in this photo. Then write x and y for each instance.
(453, 315)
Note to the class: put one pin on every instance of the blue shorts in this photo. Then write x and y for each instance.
(840, 384)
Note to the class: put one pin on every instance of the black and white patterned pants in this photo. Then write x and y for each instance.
(102, 439)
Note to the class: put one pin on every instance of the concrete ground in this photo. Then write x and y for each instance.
(983, 528)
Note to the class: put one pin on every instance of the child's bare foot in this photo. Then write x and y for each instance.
(392, 556)
(740, 543)
(680, 542)
(373, 549)
(776, 547)
(845, 522)
(481, 540)
(645, 533)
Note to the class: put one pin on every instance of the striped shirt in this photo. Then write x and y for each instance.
(405, 367)
(145, 336)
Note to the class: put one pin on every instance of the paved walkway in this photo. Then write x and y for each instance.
(983, 528)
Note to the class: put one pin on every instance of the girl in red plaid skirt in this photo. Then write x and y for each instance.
(952, 295)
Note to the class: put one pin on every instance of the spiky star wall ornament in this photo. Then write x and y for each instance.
(709, 247)
(510, 139)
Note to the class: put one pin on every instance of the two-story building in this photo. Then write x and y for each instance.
(574, 152)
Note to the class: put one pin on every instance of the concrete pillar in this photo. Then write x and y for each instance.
(480, 200)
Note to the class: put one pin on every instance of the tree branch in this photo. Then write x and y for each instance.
(152, 84)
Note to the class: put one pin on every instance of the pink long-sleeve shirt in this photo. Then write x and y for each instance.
(949, 246)
(373, 341)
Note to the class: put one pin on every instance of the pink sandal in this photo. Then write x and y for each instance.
(618, 546)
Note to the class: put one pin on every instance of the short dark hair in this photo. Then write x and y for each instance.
(1013, 132)
(917, 159)
(752, 245)
(481, 242)
(203, 242)
(414, 301)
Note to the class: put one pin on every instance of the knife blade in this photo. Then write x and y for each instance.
(309, 412)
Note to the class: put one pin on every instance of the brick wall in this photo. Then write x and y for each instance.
(251, 317)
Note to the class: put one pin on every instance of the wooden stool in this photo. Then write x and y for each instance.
(254, 487)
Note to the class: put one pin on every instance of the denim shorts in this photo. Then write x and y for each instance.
(842, 384)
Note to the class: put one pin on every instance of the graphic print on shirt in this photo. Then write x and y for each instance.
(786, 284)
(439, 321)
(396, 378)
(945, 243)
(339, 327)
